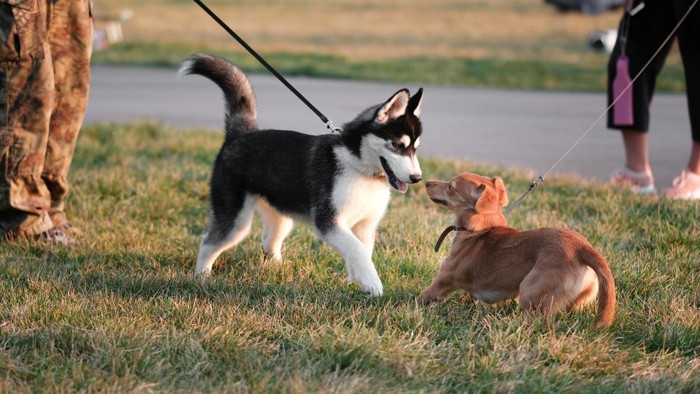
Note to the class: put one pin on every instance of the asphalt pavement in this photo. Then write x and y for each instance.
(527, 129)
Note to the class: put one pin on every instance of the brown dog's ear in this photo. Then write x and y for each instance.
(487, 200)
(500, 190)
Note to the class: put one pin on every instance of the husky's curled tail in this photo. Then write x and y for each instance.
(241, 110)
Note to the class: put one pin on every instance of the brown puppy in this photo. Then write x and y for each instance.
(552, 269)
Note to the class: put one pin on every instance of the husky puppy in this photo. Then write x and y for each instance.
(339, 184)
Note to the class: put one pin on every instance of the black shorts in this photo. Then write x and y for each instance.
(647, 31)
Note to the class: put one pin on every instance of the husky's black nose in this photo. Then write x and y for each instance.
(415, 178)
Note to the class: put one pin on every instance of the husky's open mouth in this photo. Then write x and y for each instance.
(393, 180)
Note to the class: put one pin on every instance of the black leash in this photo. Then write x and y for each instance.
(324, 119)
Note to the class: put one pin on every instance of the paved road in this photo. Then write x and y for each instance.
(530, 130)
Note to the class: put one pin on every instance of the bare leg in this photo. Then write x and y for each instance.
(694, 161)
(636, 150)
(636, 173)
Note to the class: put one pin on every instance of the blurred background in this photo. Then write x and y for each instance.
(522, 44)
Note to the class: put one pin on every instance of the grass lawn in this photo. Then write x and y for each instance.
(121, 311)
(521, 44)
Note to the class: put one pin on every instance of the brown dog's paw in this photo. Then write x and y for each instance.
(466, 298)
(427, 299)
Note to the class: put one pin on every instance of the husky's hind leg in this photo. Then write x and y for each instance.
(276, 227)
(226, 229)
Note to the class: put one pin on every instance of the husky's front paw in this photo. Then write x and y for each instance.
(373, 291)
(202, 272)
(371, 286)
(276, 257)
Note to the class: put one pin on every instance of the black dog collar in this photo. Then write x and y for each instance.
(444, 234)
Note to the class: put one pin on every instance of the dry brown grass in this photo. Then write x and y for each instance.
(366, 29)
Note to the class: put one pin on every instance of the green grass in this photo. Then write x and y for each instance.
(121, 312)
(521, 73)
(513, 44)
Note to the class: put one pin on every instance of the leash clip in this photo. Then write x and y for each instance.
(532, 187)
(536, 183)
(334, 130)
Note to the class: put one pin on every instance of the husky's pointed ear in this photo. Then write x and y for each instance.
(487, 199)
(393, 108)
(500, 190)
(414, 103)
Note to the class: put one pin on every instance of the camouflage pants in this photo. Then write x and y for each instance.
(45, 49)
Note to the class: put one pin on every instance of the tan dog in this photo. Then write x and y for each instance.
(552, 269)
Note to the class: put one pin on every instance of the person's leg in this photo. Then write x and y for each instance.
(70, 37)
(687, 184)
(694, 161)
(636, 145)
(26, 97)
(646, 33)
(636, 173)
(689, 46)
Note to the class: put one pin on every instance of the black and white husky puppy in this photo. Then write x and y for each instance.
(337, 183)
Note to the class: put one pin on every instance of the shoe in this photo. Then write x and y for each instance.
(53, 235)
(16, 224)
(70, 230)
(11, 231)
(639, 182)
(686, 186)
(56, 236)
(60, 221)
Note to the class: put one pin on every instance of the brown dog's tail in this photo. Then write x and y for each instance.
(606, 285)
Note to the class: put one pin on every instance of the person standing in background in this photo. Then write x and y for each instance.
(45, 50)
(640, 36)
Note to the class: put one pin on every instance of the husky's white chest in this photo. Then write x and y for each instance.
(358, 198)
